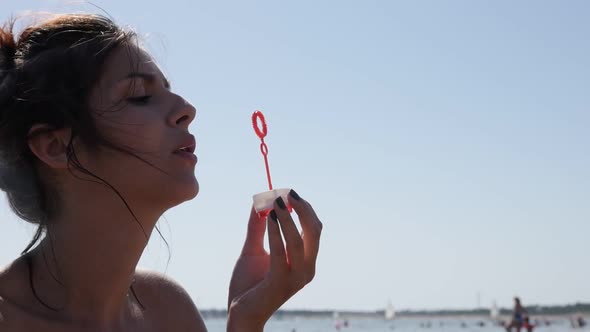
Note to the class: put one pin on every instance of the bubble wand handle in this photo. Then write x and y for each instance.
(261, 133)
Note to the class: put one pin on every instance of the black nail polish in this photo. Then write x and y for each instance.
(273, 216)
(281, 203)
(294, 194)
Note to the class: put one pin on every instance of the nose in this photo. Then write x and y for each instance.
(183, 114)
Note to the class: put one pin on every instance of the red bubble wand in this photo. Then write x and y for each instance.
(263, 202)
(262, 134)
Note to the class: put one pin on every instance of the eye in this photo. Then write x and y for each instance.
(140, 100)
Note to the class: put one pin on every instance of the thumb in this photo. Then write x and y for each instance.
(254, 243)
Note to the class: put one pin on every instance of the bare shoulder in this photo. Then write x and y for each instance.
(14, 282)
(15, 313)
(160, 293)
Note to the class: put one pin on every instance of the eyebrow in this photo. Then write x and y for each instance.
(151, 78)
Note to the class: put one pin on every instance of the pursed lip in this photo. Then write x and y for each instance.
(188, 144)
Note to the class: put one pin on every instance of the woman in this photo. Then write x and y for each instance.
(94, 148)
(520, 318)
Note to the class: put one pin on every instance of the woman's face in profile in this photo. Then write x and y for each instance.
(134, 108)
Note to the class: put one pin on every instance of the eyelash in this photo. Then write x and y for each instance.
(141, 100)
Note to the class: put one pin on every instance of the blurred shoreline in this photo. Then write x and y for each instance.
(535, 311)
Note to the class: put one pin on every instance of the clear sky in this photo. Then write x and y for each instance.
(444, 144)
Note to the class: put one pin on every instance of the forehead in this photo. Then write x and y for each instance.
(125, 59)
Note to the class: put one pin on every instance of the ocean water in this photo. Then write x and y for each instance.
(397, 325)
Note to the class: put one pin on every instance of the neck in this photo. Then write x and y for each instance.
(84, 267)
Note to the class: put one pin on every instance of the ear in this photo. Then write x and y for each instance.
(49, 145)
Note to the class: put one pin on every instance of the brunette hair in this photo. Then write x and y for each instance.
(46, 75)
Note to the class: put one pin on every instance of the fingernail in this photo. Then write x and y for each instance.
(281, 203)
(295, 195)
(273, 215)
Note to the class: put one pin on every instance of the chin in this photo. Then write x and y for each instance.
(195, 190)
(168, 194)
(188, 191)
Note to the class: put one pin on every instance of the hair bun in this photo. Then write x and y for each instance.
(7, 48)
(7, 65)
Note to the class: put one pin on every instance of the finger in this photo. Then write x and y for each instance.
(295, 249)
(254, 243)
(278, 259)
(310, 224)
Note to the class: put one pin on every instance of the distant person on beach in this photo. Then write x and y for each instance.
(520, 318)
(578, 322)
(94, 148)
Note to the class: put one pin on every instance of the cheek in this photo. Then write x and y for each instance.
(125, 172)
(144, 135)
(139, 130)
(110, 163)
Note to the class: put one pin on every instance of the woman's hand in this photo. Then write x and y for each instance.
(261, 281)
